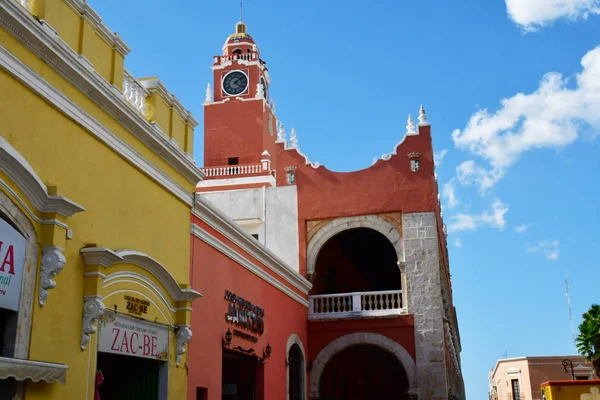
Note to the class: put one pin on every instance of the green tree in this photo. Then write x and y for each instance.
(588, 341)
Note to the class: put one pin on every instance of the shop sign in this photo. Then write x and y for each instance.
(12, 262)
(244, 314)
(137, 306)
(119, 334)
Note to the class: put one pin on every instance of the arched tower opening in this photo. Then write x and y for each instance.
(357, 260)
(364, 372)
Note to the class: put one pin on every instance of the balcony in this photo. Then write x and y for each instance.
(355, 305)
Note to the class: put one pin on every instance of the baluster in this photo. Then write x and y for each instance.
(362, 303)
(389, 299)
(337, 304)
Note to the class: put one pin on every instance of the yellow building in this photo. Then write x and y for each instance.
(96, 183)
(571, 390)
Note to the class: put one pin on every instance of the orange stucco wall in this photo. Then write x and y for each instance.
(212, 274)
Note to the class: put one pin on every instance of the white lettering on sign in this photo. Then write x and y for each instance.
(12, 262)
(122, 335)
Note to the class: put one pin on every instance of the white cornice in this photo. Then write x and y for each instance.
(42, 40)
(23, 175)
(247, 180)
(154, 84)
(208, 213)
(49, 93)
(244, 262)
(106, 258)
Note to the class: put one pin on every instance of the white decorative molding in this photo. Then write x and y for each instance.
(266, 180)
(48, 46)
(53, 261)
(25, 4)
(53, 221)
(51, 94)
(293, 145)
(106, 258)
(260, 91)
(361, 338)
(93, 309)
(250, 266)
(422, 117)
(410, 126)
(155, 85)
(183, 336)
(209, 94)
(272, 106)
(21, 172)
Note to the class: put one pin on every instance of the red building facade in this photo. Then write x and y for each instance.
(348, 272)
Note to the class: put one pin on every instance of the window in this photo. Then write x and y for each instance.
(237, 51)
(582, 378)
(201, 393)
(515, 389)
(233, 161)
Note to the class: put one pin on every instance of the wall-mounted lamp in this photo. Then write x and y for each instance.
(228, 337)
(569, 363)
(267, 352)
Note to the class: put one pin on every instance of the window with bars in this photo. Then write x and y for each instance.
(516, 392)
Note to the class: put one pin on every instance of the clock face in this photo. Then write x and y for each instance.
(235, 82)
(264, 84)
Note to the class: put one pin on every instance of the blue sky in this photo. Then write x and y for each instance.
(520, 180)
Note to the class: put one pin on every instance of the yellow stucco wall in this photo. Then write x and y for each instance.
(125, 209)
(579, 391)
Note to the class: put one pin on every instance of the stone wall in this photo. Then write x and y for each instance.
(422, 260)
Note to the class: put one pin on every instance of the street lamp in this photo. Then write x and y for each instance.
(569, 363)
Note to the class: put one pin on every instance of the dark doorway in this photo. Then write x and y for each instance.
(128, 378)
(364, 373)
(357, 260)
(239, 376)
(296, 364)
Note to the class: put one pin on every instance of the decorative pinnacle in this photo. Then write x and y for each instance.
(209, 94)
(422, 117)
(260, 91)
(273, 106)
(410, 126)
(281, 132)
(293, 138)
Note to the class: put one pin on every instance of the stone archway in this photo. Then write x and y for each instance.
(341, 224)
(361, 338)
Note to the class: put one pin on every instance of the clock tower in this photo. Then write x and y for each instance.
(239, 121)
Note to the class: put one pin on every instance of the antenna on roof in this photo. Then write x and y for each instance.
(570, 313)
(241, 10)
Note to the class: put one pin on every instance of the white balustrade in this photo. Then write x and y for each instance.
(134, 92)
(234, 170)
(355, 305)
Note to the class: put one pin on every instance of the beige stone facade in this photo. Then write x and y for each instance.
(520, 378)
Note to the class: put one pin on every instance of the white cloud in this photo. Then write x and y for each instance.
(520, 228)
(458, 243)
(550, 117)
(438, 157)
(549, 248)
(534, 14)
(470, 222)
(449, 193)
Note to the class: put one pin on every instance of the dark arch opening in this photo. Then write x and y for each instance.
(295, 382)
(364, 372)
(237, 51)
(356, 260)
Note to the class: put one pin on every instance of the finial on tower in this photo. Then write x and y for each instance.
(281, 132)
(209, 94)
(241, 11)
(293, 139)
(422, 117)
(410, 126)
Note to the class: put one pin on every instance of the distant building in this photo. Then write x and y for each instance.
(520, 378)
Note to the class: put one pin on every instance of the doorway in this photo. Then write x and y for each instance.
(239, 376)
(130, 378)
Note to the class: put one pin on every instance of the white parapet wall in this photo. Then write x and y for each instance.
(271, 213)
